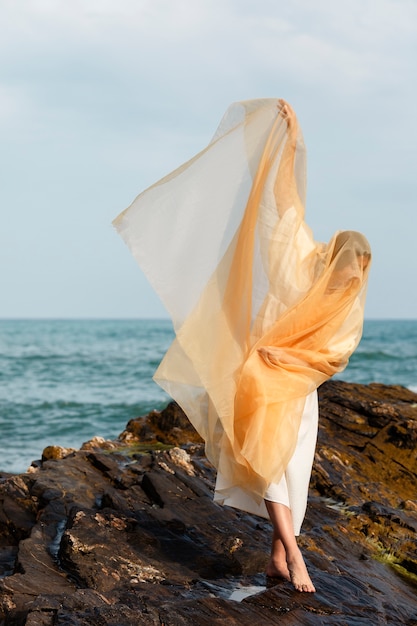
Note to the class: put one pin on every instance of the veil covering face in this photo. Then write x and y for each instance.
(262, 313)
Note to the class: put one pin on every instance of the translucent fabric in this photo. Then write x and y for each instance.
(292, 489)
(262, 313)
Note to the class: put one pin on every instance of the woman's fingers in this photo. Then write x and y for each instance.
(288, 114)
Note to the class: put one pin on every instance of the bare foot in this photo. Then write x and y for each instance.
(299, 575)
(277, 569)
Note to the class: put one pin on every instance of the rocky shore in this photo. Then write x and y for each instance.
(125, 533)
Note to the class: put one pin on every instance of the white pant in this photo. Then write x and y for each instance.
(292, 490)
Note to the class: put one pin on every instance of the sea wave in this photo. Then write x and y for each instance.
(65, 381)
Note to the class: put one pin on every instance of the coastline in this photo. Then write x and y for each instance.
(127, 529)
(66, 381)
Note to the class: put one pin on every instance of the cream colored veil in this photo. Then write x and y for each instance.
(262, 313)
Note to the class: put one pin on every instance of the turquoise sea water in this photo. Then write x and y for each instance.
(64, 381)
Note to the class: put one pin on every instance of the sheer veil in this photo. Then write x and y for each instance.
(262, 313)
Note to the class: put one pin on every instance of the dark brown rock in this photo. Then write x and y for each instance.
(169, 426)
(126, 532)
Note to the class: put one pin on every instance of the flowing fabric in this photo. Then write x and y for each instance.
(262, 313)
(292, 489)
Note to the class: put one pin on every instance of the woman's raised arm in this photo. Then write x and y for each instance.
(285, 187)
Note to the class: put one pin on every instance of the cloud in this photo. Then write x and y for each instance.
(198, 53)
(100, 98)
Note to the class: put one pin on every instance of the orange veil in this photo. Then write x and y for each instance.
(262, 313)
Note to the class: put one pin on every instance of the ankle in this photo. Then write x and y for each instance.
(294, 554)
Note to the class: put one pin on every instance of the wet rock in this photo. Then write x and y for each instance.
(169, 426)
(126, 532)
(55, 452)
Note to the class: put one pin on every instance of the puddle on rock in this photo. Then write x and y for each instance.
(241, 592)
(236, 589)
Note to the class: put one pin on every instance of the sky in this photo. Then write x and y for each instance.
(101, 98)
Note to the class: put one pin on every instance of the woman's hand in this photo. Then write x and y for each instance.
(288, 114)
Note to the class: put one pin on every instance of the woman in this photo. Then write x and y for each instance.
(262, 313)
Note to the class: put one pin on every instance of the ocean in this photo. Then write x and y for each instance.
(63, 382)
